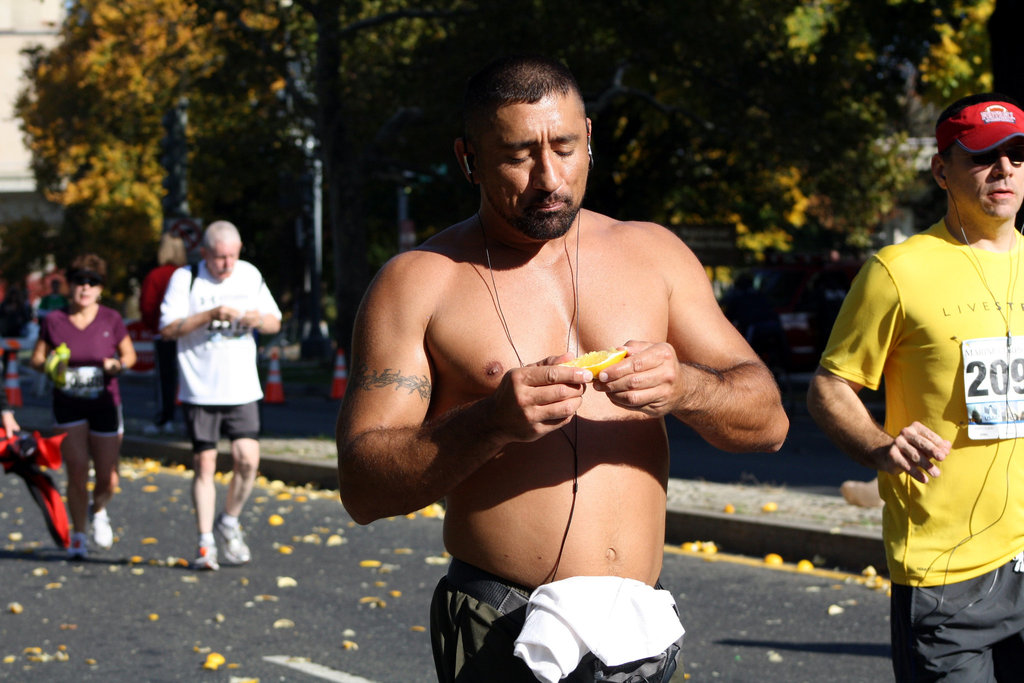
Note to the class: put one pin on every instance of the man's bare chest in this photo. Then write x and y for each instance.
(480, 331)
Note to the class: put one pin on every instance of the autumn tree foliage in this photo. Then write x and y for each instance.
(91, 117)
(93, 114)
(787, 119)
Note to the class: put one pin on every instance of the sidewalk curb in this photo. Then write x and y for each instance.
(850, 550)
(288, 470)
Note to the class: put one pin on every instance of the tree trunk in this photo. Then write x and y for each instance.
(1007, 58)
(342, 175)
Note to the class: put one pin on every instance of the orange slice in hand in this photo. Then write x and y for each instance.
(596, 361)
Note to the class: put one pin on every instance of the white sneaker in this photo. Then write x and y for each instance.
(235, 549)
(79, 548)
(151, 430)
(102, 534)
(170, 428)
(206, 558)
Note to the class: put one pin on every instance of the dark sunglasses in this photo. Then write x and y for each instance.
(1014, 154)
(86, 280)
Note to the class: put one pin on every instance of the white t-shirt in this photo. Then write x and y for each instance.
(217, 362)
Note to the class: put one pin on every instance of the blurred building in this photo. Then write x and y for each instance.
(23, 23)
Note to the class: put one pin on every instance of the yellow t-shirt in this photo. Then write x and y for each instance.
(907, 316)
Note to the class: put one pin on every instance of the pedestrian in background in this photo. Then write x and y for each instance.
(939, 316)
(7, 420)
(752, 313)
(170, 256)
(86, 397)
(15, 312)
(212, 309)
(53, 301)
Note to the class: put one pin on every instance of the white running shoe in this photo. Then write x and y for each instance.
(235, 549)
(206, 558)
(79, 548)
(151, 430)
(102, 534)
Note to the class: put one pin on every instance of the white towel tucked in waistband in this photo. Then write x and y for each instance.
(619, 620)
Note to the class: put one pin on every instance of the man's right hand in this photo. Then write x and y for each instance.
(916, 450)
(835, 405)
(533, 401)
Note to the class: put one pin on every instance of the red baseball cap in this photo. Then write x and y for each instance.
(981, 127)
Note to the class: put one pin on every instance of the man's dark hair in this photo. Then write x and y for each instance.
(516, 79)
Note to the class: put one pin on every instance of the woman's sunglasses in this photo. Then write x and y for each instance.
(86, 280)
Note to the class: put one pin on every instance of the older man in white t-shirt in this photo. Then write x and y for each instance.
(212, 309)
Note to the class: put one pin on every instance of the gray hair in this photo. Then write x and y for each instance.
(220, 231)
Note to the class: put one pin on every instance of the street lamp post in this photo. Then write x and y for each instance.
(314, 343)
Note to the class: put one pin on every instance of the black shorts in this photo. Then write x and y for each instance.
(206, 424)
(965, 632)
(103, 416)
(475, 618)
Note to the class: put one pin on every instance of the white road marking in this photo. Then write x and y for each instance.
(313, 669)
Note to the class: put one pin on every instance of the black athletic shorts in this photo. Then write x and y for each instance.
(103, 416)
(475, 618)
(966, 632)
(206, 424)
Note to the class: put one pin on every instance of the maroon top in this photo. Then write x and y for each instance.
(154, 285)
(89, 346)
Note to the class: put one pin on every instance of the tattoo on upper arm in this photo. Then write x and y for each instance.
(366, 379)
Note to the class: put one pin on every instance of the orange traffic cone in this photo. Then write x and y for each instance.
(274, 393)
(340, 382)
(12, 386)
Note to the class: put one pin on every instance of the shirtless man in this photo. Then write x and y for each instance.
(457, 393)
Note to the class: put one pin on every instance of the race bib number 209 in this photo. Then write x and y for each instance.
(994, 387)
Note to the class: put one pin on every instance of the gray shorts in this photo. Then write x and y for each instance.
(475, 618)
(206, 424)
(966, 632)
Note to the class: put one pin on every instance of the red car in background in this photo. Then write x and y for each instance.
(806, 298)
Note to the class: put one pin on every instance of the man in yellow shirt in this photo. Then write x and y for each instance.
(940, 317)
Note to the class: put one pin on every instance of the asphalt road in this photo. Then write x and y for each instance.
(134, 614)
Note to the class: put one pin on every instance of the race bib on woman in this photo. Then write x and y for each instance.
(83, 382)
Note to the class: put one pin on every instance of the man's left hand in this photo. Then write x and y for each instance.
(646, 380)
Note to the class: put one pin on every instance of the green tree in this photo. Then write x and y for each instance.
(91, 114)
(785, 118)
(92, 117)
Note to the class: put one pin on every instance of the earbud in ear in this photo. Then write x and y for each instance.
(590, 152)
(468, 163)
